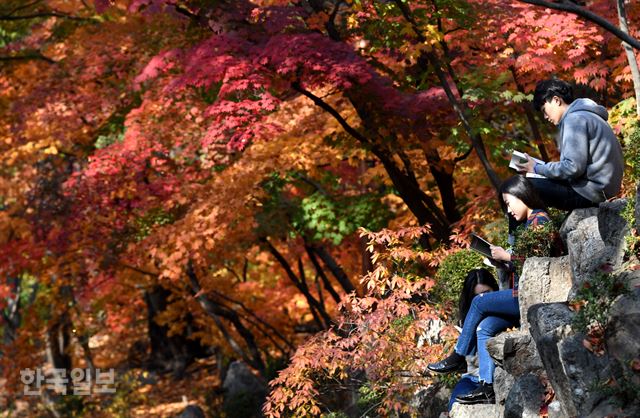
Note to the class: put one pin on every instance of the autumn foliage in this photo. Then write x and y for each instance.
(270, 181)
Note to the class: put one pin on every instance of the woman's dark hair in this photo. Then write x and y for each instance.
(545, 90)
(521, 188)
(474, 277)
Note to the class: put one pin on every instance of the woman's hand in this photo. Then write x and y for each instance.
(498, 253)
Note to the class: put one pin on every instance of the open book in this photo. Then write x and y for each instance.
(518, 158)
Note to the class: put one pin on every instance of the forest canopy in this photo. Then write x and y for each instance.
(187, 183)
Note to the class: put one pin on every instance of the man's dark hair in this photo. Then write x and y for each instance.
(545, 90)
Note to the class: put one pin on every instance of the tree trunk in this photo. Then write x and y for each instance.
(11, 314)
(58, 346)
(335, 269)
(321, 273)
(168, 353)
(631, 56)
(251, 355)
(442, 172)
(320, 315)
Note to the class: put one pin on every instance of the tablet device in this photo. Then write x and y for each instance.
(480, 245)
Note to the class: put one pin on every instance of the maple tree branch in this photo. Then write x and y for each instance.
(428, 201)
(314, 305)
(586, 14)
(215, 312)
(439, 218)
(335, 269)
(628, 50)
(255, 323)
(47, 13)
(303, 279)
(183, 10)
(24, 6)
(311, 182)
(16, 303)
(331, 23)
(445, 48)
(436, 218)
(257, 318)
(28, 56)
(85, 4)
(463, 156)
(232, 271)
(458, 106)
(321, 273)
(245, 269)
(83, 338)
(425, 197)
(403, 182)
(319, 289)
(333, 112)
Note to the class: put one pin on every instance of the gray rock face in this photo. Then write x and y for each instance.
(611, 225)
(239, 379)
(546, 317)
(610, 409)
(574, 218)
(502, 383)
(544, 279)
(597, 241)
(573, 370)
(623, 330)
(476, 411)
(555, 410)
(525, 398)
(431, 400)
(582, 370)
(549, 324)
(516, 352)
(631, 279)
(588, 252)
(192, 411)
(244, 393)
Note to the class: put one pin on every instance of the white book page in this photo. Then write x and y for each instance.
(518, 158)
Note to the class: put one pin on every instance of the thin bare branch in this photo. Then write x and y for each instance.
(570, 7)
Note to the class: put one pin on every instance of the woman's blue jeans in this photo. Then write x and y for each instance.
(489, 314)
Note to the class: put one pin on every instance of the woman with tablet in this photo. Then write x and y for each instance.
(491, 313)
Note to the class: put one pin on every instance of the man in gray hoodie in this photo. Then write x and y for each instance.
(591, 162)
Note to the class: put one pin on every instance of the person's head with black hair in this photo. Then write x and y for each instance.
(477, 281)
(519, 198)
(552, 97)
(547, 89)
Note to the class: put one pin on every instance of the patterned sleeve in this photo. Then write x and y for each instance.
(539, 218)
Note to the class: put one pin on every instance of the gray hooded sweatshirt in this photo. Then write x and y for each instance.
(590, 154)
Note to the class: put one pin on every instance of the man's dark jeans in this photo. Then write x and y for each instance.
(559, 194)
